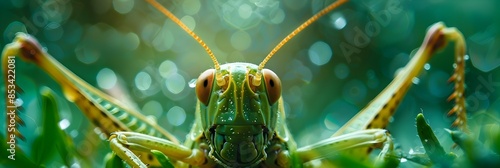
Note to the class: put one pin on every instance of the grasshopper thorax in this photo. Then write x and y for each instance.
(238, 118)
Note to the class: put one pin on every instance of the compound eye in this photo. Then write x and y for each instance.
(273, 85)
(204, 85)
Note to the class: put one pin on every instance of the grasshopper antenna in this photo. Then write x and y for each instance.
(304, 25)
(166, 12)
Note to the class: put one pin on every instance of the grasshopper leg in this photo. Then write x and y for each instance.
(105, 112)
(378, 112)
(332, 146)
(123, 143)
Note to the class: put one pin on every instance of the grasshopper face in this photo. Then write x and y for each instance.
(239, 118)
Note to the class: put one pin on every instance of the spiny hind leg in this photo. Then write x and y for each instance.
(437, 38)
(124, 143)
(377, 113)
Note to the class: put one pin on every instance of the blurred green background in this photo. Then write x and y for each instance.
(133, 52)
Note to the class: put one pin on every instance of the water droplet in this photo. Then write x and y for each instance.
(63, 124)
(19, 102)
(103, 136)
(192, 83)
(427, 66)
(411, 151)
(97, 130)
(415, 80)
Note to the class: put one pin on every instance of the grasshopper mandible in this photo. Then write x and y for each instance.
(240, 117)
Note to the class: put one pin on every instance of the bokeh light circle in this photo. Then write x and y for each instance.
(176, 116)
(320, 53)
(106, 78)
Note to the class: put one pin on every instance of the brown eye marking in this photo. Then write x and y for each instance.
(204, 86)
(273, 85)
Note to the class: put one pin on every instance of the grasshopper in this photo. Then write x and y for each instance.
(240, 115)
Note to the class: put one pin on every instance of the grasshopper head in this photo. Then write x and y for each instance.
(238, 117)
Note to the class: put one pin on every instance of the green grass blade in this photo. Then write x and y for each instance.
(113, 161)
(164, 161)
(53, 141)
(475, 151)
(21, 160)
(431, 144)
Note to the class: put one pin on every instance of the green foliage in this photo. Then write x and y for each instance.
(164, 161)
(431, 144)
(53, 147)
(113, 161)
(476, 154)
(21, 159)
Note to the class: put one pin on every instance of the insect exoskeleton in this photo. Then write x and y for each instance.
(239, 116)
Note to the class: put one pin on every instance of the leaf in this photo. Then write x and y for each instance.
(164, 161)
(478, 155)
(52, 140)
(419, 158)
(44, 146)
(21, 159)
(113, 161)
(431, 144)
